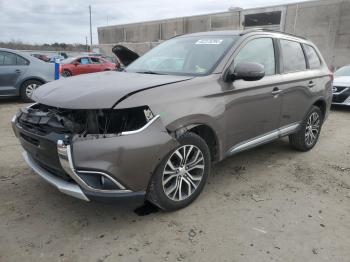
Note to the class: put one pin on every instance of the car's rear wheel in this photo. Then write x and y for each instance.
(181, 175)
(28, 88)
(66, 73)
(307, 136)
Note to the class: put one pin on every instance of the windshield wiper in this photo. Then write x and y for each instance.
(149, 72)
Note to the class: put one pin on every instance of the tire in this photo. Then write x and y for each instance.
(182, 185)
(307, 136)
(28, 88)
(66, 73)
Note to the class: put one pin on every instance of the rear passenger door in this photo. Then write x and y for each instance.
(299, 82)
(96, 65)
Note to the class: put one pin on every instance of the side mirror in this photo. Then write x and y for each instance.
(76, 63)
(247, 71)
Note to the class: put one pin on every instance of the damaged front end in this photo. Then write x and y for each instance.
(42, 119)
(93, 153)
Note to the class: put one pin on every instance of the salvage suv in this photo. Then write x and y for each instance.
(153, 131)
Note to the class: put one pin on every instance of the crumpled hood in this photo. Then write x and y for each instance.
(99, 90)
(341, 81)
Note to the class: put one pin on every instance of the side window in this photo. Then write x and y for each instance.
(84, 61)
(21, 60)
(293, 56)
(2, 58)
(260, 51)
(7, 58)
(312, 57)
(95, 60)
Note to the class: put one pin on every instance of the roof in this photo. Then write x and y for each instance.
(243, 32)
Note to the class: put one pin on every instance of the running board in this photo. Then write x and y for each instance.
(266, 138)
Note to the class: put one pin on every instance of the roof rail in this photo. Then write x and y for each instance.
(244, 32)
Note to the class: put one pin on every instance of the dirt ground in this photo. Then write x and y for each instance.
(267, 204)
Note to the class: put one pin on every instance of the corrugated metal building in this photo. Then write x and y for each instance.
(325, 22)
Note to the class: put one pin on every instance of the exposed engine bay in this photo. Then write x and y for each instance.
(42, 119)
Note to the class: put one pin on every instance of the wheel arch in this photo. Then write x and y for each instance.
(322, 105)
(207, 133)
(31, 79)
(67, 69)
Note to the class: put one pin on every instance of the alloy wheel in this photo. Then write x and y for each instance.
(30, 89)
(312, 129)
(183, 172)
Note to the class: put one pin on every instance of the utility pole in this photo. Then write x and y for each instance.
(86, 44)
(90, 29)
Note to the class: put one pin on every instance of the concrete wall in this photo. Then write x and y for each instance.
(140, 37)
(325, 22)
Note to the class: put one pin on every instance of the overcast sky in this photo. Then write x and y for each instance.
(49, 21)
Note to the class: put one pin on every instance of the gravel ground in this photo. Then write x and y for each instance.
(267, 204)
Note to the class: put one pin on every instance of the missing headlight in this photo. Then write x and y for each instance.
(111, 121)
(85, 122)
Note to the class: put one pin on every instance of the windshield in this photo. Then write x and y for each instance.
(344, 71)
(192, 55)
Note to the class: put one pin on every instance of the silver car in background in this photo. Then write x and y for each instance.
(21, 74)
(341, 86)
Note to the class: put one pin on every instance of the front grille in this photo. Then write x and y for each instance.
(338, 89)
(340, 98)
(34, 128)
(29, 139)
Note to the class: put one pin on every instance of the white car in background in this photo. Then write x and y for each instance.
(341, 86)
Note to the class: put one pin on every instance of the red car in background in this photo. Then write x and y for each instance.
(84, 65)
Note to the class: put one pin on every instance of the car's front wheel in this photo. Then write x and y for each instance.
(307, 136)
(181, 175)
(28, 89)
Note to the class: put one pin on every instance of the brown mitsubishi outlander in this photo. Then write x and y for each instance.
(152, 131)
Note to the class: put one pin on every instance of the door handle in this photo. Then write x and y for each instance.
(276, 91)
(18, 71)
(311, 84)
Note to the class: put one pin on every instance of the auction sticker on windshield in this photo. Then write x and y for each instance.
(209, 42)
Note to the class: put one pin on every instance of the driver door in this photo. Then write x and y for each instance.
(253, 107)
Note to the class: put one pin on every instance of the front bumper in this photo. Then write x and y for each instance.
(65, 187)
(126, 162)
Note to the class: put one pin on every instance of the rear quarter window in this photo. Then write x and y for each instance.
(312, 57)
(293, 56)
(21, 61)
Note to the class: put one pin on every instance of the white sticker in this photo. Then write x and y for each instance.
(209, 42)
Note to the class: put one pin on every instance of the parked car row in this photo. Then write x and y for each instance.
(21, 73)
